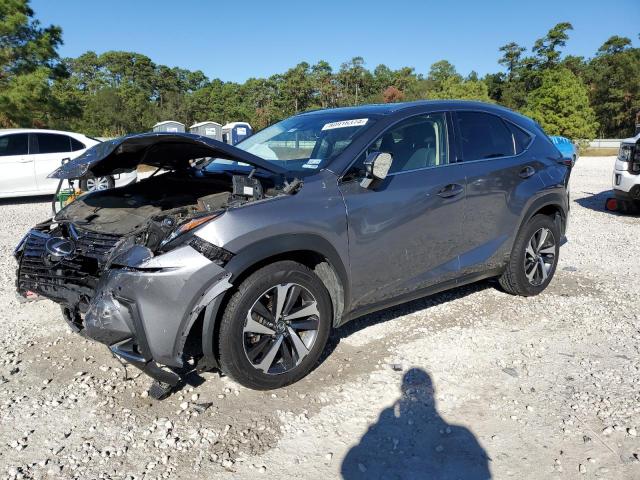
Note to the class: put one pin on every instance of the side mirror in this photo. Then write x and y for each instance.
(376, 166)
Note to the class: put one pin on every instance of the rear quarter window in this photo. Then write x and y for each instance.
(76, 145)
(521, 139)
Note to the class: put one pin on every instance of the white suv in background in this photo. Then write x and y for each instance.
(626, 175)
(27, 156)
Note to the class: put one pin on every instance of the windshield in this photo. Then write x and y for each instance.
(304, 143)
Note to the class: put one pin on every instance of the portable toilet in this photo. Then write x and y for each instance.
(169, 126)
(208, 129)
(235, 132)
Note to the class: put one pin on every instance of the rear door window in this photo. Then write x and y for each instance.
(16, 144)
(53, 143)
(484, 136)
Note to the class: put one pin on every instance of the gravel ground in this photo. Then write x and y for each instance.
(464, 384)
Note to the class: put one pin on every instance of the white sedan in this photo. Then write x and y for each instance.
(27, 156)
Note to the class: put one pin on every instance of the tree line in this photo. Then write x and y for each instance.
(119, 92)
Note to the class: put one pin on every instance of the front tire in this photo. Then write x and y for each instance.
(94, 184)
(534, 257)
(275, 326)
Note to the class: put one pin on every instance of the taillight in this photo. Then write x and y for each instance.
(568, 162)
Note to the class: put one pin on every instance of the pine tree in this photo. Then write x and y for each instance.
(561, 105)
(28, 62)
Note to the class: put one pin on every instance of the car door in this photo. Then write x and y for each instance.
(16, 165)
(500, 179)
(404, 234)
(51, 149)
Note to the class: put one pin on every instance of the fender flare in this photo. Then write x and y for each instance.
(556, 199)
(249, 256)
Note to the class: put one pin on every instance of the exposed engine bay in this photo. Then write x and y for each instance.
(158, 204)
(62, 259)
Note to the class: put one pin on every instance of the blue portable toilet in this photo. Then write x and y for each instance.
(235, 132)
(169, 126)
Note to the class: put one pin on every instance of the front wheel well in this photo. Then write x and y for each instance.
(317, 262)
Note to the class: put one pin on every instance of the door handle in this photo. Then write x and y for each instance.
(451, 190)
(25, 160)
(527, 172)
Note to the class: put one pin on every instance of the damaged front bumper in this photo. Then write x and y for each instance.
(142, 307)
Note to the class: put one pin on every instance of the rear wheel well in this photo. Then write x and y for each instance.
(553, 211)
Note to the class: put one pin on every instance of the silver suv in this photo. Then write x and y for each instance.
(244, 258)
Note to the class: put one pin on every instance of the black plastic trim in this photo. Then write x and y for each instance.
(125, 351)
(551, 199)
(210, 355)
(281, 244)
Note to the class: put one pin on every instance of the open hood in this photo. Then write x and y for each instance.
(172, 151)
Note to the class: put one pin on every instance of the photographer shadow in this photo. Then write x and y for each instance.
(411, 441)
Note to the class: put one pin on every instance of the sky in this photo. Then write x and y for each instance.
(240, 39)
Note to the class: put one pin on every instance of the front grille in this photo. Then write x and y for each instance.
(92, 244)
(71, 279)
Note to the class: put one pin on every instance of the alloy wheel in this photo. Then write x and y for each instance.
(97, 183)
(540, 256)
(281, 328)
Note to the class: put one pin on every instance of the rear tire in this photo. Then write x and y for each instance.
(275, 326)
(534, 257)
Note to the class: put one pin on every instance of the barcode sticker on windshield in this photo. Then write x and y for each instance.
(358, 122)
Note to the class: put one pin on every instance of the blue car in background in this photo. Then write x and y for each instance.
(567, 147)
